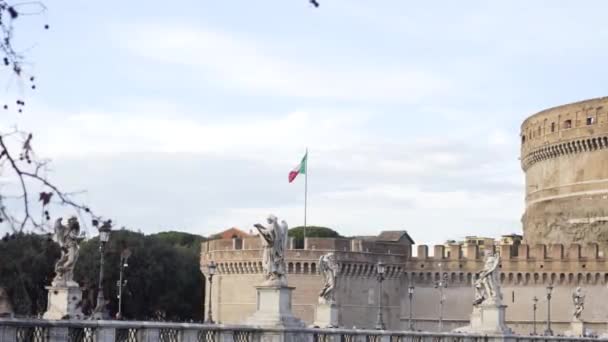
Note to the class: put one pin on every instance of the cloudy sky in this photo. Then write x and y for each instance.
(188, 115)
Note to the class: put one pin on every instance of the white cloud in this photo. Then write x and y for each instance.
(237, 62)
(360, 182)
(429, 217)
(95, 132)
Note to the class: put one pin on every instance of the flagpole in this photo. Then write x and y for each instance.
(305, 191)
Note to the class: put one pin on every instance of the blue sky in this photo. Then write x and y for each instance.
(188, 115)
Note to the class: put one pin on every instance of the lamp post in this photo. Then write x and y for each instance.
(124, 257)
(380, 269)
(535, 300)
(104, 237)
(441, 284)
(210, 272)
(410, 294)
(549, 332)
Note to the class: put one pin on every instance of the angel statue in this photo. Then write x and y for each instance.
(68, 239)
(274, 240)
(487, 289)
(578, 299)
(330, 269)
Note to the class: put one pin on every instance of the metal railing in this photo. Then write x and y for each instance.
(35, 330)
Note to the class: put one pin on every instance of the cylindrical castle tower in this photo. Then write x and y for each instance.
(564, 154)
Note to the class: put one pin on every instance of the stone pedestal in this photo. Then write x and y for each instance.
(64, 302)
(6, 309)
(577, 329)
(326, 315)
(487, 319)
(273, 308)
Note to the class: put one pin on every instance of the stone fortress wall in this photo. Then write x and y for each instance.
(240, 269)
(564, 154)
(525, 273)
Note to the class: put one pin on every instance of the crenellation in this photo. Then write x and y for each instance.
(591, 251)
(471, 252)
(556, 251)
(523, 252)
(438, 252)
(574, 252)
(457, 258)
(505, 252)
(539, 252)
(423, 252)
(455, 252)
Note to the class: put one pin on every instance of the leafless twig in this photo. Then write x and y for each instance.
(17, 158)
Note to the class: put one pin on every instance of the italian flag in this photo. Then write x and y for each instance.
(300, 169)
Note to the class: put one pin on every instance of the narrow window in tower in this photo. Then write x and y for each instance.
(552, 127)
(523, 139)
(590, 121)
(567, 124)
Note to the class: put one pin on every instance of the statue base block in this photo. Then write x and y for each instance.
(577, 329)
(273, 309)
(487, 319)
(64, 302)
(326, 315)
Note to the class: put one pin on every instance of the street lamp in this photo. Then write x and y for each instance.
(124, 257)
(104, 237)
(549, 332)
(410, 294)
(441, 284)
(211, 271)
(535, 300)
(380, 269)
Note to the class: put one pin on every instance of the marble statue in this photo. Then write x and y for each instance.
(487, 288)
(68, 239)
(330, 269)
(578, 299)
(274, 240)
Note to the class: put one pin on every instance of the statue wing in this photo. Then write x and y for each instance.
(335, 267)
(284, 231)
(60, 232)
(321, 264)
(494, 264)
(263, 233)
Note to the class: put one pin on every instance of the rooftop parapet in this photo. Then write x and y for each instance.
(320, 244)
(519, 253)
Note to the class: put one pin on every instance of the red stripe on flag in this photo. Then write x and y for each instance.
(292, 175)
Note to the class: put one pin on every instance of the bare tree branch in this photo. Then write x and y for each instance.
(17, 157)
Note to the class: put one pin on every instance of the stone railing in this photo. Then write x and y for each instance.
(30, 330)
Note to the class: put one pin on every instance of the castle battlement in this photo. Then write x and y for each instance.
(520, 264)
(357, 257)
(563, 154)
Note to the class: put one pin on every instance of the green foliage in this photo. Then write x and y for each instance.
(164, 279)
(180, 239)
(163, 275)
(311, 231)
(27, 265)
